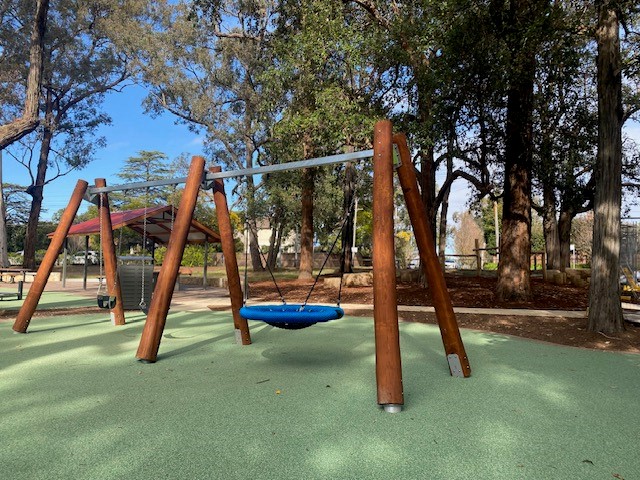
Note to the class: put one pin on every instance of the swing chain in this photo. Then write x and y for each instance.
(100, 277)
(335, 241)
(142, 303)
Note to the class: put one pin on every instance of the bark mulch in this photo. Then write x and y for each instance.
(479, 292)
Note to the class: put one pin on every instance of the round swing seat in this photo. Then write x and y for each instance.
(291, 316)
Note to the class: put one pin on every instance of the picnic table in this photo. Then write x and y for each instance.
(12, 273)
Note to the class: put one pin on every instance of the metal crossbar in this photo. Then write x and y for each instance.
(209, 177)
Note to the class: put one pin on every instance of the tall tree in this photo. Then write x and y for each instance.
(30, 118)
(565, 129)
(523, 27)
(202, 62)
(148, 166)
(80, 65)
(325, 79)
(605, 311)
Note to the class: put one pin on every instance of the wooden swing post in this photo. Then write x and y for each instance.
(385, 305)
(109, 252)
(46, 267)
(163, 292)
(449, 330)
(230, 261)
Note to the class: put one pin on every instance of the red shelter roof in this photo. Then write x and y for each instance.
(159, 221)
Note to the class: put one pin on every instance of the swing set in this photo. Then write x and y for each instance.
(290, 316)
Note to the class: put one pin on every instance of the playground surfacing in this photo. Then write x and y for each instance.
(302, 405)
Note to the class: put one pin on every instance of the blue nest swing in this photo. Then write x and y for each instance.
(294, 316)
(291, 316)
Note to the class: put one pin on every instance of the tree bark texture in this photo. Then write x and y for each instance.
(36, 191)
(348, 213)
(514, 278)
(550, 228)
(564, 236)
(4, 254)
(605, 311)
(306, 229)
(29, 121)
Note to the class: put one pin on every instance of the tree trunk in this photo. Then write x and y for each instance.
(278, 244)
(442, 233)
(605, 311)
(271, 255)
(277, 228)
(4, 257)
(36, 192)
(306, 229)
(514, 277)
(254, 248)
(550, 228)
(29, 121)
(346, 265)
(564, 235)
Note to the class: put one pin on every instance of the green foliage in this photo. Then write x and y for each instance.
(16, 236)
(193, 254)
(146, 167)
(404, 248)
(484, 212)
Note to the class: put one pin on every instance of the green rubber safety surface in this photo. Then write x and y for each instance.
(302, 404)
(48, 300)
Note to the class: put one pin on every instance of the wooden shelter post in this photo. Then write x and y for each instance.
(385, 305)
(230, 261)
(109, 254)
(65, 258)
(454, 348)
(44, 271)
(86, 260)
(205, 265)
(161, 300)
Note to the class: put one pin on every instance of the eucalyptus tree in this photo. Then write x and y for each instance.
(327, 87)
(202, 62)
(80, 65)
(22, 33)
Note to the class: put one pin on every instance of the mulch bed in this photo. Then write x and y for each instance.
(478, 292)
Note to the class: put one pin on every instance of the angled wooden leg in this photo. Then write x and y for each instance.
(163, 292)
(35, 292)
(230, 262)
(453, 346)
(110, 260)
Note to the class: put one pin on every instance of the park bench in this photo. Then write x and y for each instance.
(13, 296)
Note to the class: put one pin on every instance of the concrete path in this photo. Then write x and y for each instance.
(191, 299)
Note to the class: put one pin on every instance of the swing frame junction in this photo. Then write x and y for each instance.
(386, 330)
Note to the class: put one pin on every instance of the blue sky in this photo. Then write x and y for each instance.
(132, 131)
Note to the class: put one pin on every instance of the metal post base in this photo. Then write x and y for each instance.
(455, 367)
(392, 408)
